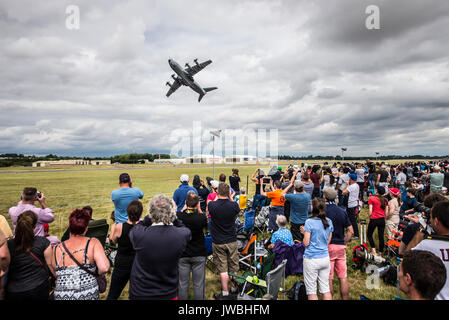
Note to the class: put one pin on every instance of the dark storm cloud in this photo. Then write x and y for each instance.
(310, 69)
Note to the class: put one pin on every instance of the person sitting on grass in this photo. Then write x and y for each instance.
(283, 234)
(421, 275)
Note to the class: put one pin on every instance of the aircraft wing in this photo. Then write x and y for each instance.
(197, 68)
(175, 86)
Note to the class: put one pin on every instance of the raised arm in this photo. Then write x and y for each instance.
(262, 191)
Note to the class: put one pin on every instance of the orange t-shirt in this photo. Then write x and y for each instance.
(276, 198)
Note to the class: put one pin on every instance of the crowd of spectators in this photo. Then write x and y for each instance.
(162, 253)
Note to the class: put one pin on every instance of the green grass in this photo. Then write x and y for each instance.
(68, 190)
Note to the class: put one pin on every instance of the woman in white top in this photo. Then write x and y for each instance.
(392, 215)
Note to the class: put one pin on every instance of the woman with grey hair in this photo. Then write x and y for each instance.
(159, 242)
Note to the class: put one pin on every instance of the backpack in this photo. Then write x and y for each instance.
(297, 292)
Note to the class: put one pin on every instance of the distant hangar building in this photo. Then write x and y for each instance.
(72, 162)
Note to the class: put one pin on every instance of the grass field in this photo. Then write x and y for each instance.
(68, 188)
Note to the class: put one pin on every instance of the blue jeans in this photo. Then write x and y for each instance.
(275, 211)
(258, 201)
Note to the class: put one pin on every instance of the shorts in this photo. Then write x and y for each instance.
(337, 257)
(226, 257)
(316, 270)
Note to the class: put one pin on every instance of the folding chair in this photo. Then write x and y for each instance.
(261, 220)
(272, 285)
(249, 252)
(249, 217)
(98, 229)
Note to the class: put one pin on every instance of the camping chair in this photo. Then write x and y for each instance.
(98, 229)
(266, 263)
(248, 253)
(249, 217)
(261, 220)
(272, 285)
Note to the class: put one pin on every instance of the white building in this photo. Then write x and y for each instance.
(172, 161)
(72, 162)
(204, 158)
(241, 159)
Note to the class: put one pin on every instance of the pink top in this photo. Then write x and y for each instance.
(212, 196)
(43, 216)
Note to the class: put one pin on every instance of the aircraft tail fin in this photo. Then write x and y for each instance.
(209, 89)
(206, 90)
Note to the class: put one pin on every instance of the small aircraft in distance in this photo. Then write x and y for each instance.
(185, 77)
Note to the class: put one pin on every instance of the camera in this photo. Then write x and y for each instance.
(38, 195)
(419, 207)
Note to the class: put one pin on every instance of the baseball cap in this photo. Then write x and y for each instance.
(184, 178)
(124, 178)
(279, 167)
(330, 193)
(353, 176)
(394, 191)
(295, 167)
(214, 184)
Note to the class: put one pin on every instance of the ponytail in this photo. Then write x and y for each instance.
(24, 234)
(319, 211)
(383, 201)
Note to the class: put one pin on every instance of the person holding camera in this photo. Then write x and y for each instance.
(438, 244)
(27, 199)
(234, 181)
(277, 202)
(421, 275)
(257, 178)
(123, 196)
(411, 221)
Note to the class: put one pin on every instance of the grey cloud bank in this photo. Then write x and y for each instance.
(309, 69)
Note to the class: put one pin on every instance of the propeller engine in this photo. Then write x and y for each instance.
(168, 84)
(196, 61)
(173, 76)
(187, 65)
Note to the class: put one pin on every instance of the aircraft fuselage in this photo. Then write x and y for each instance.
(186, 79)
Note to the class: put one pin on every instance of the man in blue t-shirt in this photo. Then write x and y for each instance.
(337, 246)
(299, 208)
(180, 194)
(123, 196)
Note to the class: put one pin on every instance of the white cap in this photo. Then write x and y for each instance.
(184, 178)
(295, 167)
(214, 184)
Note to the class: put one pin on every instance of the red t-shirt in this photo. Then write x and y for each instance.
(377, 212)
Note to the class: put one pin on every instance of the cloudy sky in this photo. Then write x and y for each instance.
(310, 69)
